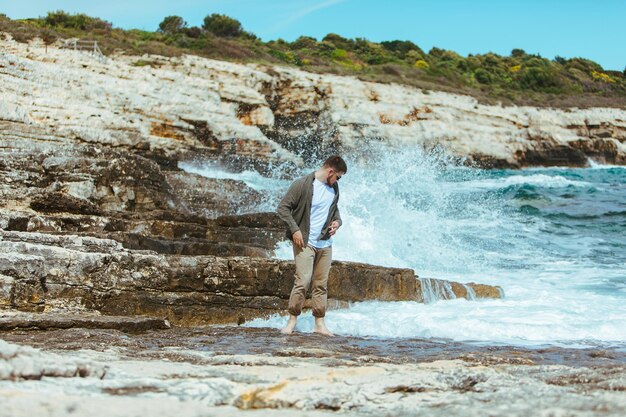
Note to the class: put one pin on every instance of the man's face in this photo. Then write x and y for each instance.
(333, 176)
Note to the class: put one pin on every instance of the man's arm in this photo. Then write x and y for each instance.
(337, 217)
(286, 206)
(335, 222)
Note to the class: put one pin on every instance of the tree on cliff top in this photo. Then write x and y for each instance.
(222, 25)
(172, 25)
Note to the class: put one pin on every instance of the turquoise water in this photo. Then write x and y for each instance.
(577, 215)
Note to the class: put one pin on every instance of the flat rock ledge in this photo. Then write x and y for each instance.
(70, 273)
(51, 321)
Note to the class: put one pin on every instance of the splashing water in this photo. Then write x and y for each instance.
(552, 238)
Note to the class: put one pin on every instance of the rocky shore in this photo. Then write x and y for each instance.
(114, 260)
(222, 371)
(97, 216)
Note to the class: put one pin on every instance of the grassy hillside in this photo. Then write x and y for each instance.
(519, 78)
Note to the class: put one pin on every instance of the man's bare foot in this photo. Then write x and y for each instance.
(320, 327)
(291, 324)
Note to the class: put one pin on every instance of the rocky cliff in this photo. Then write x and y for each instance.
(172, 109)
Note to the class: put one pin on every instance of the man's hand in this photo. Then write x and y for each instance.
(298, 241)
(333, 227)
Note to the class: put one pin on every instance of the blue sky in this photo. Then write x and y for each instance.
(569, 28)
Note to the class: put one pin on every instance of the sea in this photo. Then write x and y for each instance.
(554, 239)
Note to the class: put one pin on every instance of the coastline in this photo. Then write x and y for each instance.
(99, 217)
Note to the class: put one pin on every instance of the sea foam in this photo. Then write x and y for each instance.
(563, 276)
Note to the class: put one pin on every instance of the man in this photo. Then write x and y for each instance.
(310, 211)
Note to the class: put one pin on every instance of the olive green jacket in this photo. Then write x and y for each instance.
(295, 208)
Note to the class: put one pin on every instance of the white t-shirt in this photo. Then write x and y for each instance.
(323, 196)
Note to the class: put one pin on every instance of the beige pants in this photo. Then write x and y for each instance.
(312, 264)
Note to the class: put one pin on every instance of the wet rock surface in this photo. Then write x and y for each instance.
(223, 370)
(89, 228)
(236, 340)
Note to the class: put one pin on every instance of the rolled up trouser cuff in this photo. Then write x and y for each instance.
(294, 311)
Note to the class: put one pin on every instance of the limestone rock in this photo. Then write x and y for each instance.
(89, 274)
(47, 321)
(223, 370)
(23, 362)
(206, 196)
(260, 116)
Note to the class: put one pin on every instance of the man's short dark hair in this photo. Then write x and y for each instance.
(337, 163)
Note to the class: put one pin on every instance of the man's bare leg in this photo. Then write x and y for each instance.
(320, 327)
(291, 324)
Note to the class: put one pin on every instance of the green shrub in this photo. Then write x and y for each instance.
(402, 48)
(142, 63)
(421, 64)
(248, 35)
(339, 54)
(145, 35)
(413, 56)
(61, 19)
(372, 53)
(482, 76)
(540, 78)
(451, 56)
(492, 60)
(304, 42)
(325, 49)
(288, 56)
(463, 65)
(585, 65)
(222, 25)
(350, 65)
(172, 25)
(603, 77)
(193, 32)
(339, 42)
(280, 43)
(436, 52)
